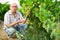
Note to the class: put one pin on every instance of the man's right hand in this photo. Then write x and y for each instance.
(18, 21)
(21, 21)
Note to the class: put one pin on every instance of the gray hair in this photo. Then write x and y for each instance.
(14, 3)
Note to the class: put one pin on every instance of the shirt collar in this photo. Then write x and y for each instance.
(11, 12)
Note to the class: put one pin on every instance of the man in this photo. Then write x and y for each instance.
(13, 20)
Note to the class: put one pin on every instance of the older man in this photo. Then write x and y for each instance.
(13, 20)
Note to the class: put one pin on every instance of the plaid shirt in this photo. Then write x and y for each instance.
(9, 18)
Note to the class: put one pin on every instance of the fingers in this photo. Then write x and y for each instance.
(22, 20)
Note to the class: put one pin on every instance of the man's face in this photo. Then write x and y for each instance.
(13, 8)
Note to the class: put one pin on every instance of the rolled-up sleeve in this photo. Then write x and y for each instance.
(6, 19)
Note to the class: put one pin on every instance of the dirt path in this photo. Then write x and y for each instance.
(3, 35)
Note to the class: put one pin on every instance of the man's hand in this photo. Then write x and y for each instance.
(21, 21)
(25, 19)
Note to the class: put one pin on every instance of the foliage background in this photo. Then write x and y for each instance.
(43, 20)
(3, 9)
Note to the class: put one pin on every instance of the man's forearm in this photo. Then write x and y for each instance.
(17, 22)
(12, 24)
